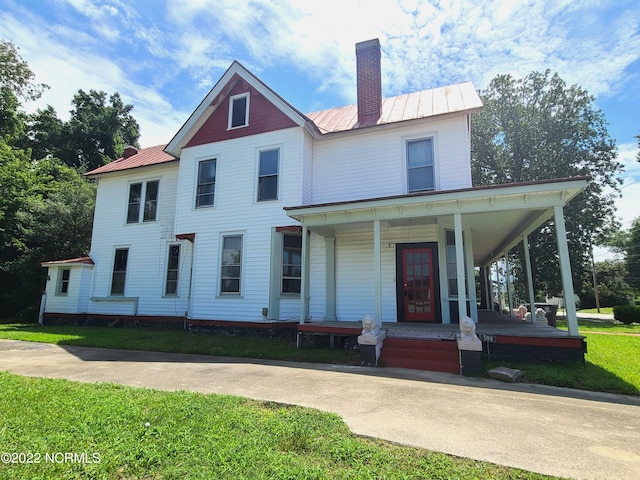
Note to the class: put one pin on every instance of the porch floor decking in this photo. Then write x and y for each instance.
(489, 324)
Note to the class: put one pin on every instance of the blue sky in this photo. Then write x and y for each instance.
(163, 57)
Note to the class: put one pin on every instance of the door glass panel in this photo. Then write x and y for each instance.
(418, 284)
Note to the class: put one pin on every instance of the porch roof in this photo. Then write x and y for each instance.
(498, 215)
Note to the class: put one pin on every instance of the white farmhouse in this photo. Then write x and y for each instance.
(256, 212)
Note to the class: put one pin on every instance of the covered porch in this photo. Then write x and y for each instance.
(472, 227)
(434, 347)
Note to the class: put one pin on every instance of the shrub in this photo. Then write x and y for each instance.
(627, 313)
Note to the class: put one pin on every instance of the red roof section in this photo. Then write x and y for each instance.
(82, 260)
(426, 103)
(144, 158)
(263, 116)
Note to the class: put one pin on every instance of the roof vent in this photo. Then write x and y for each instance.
(369, 82)
(129, 151)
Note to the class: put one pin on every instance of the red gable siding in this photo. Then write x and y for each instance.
(263, 117)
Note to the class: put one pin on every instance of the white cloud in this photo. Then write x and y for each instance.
(627, 206)
(77, 65)
(425, 44)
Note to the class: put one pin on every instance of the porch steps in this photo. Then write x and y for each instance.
(421, 354)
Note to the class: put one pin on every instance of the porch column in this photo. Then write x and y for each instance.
(498, 287)
(275, 275)
(489, 287)
(304, 281)
(330, 288)
(508, 278)
(471, 275)
(565, 270)
(377, 271)
(530, 290)
(462, 294)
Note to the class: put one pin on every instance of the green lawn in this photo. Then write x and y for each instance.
(608, 310)
(611, 362)
(197, 436)
(175, 341)
(609, 366)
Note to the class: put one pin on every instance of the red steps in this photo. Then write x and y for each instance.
(422, 354)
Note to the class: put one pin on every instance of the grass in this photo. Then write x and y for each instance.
(610, 363)
(608, 310)
(175, 341)
(197, 436)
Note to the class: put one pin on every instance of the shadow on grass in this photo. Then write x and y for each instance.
(177, 342)
(576, 375)
(146, 345)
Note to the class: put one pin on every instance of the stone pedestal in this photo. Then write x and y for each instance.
(470, 356)
(370, 347)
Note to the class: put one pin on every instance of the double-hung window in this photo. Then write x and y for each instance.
(119, 271)
(206, 183)
(231, 265)
(268, 174)
(239, 111)
(420, 177)
(452, 266)
(291, 263)
(63, 281)
(138, 191)
(173, 263)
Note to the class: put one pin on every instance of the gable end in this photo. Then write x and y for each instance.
(263, 115)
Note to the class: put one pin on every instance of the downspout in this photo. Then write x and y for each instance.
(43, 304)
(191, 237)
(193, 247)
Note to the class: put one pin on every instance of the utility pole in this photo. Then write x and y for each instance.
(595, 280)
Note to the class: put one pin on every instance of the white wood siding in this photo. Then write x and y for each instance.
(353, 167)
(307, 171)
(355, 296)
(236, 212)
(76, 299)
(148, 244)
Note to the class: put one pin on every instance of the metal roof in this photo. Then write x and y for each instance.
(70, 261)
(460, 97)
(145, 157)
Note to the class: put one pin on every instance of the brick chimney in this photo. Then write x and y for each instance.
(369, 82)
(129, 151)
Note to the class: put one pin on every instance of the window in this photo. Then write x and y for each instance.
(171, 285)
(150, 202)
(291, 263)
(268, 175)
(206, 183)
(239, 111)
(136, 190)
(63, 281)
(119, 271)
(231, 263)
(452, 266)
(420, 165)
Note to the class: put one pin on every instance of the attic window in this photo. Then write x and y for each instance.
(239, 111)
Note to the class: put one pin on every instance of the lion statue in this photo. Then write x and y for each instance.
(468, 329)
(369, 326)
(541, 316)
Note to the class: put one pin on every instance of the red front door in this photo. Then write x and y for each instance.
(417, 300)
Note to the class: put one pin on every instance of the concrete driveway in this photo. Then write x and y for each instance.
(549, 430)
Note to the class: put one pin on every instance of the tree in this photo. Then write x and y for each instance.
(15, 74)
(16, 82)
(613, 289)
(97, 131)
(46, 213)
(539, 128)
(632, 258)
(42, 134)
